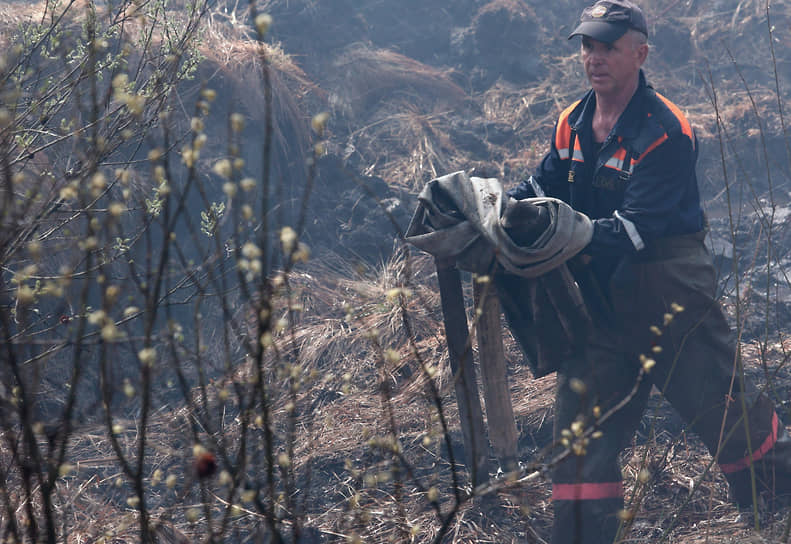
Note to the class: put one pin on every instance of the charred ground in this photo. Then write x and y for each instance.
(419, 89)
(416, 89)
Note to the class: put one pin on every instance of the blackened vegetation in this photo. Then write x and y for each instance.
(318, 389)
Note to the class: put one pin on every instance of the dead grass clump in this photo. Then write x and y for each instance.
(408, 148)
(13, 16)
(343, 337)
(530, 112)
(369, 76)
(517, 8)
(230, 49)
(349, 314)
(16, 15)
(508, 104)
(234, 66)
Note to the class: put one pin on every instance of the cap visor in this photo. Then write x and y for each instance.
(600, 30)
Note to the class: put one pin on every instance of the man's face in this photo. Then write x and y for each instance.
(612, 67)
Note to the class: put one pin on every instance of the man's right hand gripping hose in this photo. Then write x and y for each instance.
(524, 222)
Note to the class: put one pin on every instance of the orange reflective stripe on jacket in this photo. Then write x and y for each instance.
(617, 160)
(563, 135)
(686, 128)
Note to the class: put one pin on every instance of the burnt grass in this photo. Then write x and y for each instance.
(416, 89)
(394, 131)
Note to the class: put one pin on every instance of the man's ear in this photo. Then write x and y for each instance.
(642, 52)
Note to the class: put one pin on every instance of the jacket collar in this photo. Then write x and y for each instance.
(628, 124)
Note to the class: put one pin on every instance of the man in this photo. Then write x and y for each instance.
(625, 156)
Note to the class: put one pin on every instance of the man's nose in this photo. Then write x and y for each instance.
(596, 57)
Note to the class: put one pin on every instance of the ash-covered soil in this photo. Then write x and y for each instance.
(416, 89)
(420, 89)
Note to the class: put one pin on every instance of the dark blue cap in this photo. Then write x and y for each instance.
(608, 20)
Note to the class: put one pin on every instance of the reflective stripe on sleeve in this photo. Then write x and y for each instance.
(769, 442)
(536, 187)
(587, 491)
(617, 164)
(631, 230)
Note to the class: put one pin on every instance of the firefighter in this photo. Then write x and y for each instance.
(625, 156)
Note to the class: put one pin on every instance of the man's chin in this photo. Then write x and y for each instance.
(601, 85)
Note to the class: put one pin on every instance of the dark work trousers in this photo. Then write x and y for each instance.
(694, 371)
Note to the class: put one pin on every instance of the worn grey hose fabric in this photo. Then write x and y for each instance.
(461, 218)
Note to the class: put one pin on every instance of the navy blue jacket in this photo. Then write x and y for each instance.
(641, 187)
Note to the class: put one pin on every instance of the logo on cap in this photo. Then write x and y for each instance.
(599, 11)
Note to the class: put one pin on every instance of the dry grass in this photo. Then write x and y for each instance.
(407, 147)
(400, 107)
(369, 77)
(518, 8)
(16, 14)
(402, 115)
(235, 60)
(350, 485)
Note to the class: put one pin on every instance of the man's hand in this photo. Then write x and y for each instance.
(524, 222)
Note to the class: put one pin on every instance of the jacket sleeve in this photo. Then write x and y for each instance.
(662, 184)
(551, 176)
